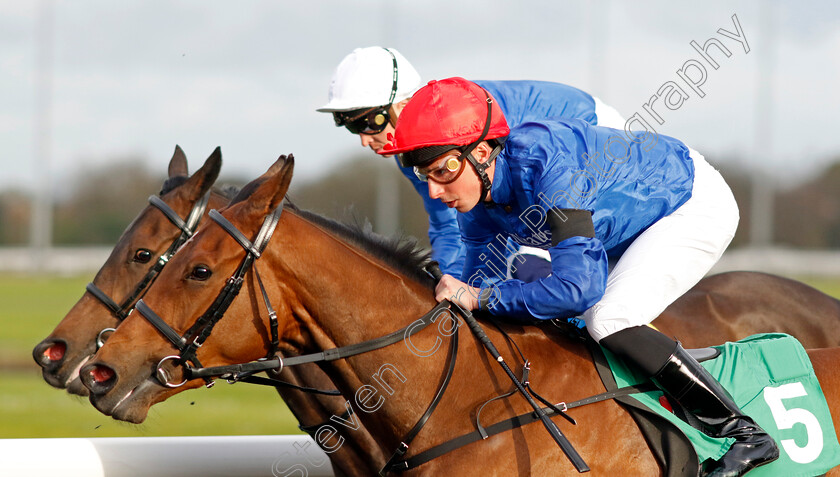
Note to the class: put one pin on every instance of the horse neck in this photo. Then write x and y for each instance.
(348, 293)
(343, 296)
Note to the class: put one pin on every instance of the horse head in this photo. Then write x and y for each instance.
(143, 249)
(122, 375)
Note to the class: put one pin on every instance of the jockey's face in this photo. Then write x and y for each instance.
(377, 141)
(463, 193)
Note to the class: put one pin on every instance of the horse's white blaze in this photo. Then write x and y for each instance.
(75, 373)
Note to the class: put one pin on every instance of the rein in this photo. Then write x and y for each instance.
(187, 227)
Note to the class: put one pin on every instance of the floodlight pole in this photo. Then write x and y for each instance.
(763, 181)
(387, 185)
(40, 227)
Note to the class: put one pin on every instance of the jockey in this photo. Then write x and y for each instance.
(586, 194)
(371, 86)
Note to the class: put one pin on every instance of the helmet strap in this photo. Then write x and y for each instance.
(481, 169)
(391, 117)
(395, 77)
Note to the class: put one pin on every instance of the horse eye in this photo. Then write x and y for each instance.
(142, 255)
(200, 272)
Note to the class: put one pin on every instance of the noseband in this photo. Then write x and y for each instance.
(187, 228)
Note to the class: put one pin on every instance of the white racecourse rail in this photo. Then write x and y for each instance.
(205, 456)
(781, 261)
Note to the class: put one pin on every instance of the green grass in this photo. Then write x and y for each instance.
(29, 407)
(31, 306)
(830, 286)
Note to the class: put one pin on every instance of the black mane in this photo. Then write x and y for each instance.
(227, 191)
(401, 252)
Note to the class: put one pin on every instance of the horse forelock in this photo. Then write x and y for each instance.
(171, 184)
(227, 191)
(401, 252)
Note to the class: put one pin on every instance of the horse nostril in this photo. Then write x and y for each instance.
(49, 353)
(55, 352)
(98, 378)
(101, 374)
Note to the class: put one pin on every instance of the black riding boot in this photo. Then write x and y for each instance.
(683, 379)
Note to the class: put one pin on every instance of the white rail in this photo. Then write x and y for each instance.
(222, 456)
(781, 261)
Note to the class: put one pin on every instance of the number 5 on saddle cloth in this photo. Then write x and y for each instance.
(771, 378)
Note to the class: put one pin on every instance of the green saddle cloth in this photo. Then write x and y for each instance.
(772, 380)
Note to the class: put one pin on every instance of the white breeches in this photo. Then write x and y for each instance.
(608, 116)
(668, 258)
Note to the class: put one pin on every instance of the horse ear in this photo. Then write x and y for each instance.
(178, 163)
(286, 171)
(267, 192)
(203, 179)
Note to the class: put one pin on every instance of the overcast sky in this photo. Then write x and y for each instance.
(137, 77)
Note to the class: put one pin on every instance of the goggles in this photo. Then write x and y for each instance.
(447, 172)
(364, 121)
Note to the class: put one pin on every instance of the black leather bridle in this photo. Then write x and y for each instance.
(187, 227)
(194, 337)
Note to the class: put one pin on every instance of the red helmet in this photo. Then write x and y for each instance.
(443, 115)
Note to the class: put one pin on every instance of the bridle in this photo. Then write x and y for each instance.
(194, 337)
(187, 227)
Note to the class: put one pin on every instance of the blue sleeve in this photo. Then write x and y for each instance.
(485, 260)
(577, 281)
(444, 233)
(525, 101)
(579, 265)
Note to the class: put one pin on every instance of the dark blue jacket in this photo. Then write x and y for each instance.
(569, 164)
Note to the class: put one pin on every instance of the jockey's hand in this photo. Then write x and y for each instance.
(455, 290)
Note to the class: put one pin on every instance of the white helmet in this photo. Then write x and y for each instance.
(366, 78)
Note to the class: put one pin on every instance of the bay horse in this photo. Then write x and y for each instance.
(332, 289)
(134, 264)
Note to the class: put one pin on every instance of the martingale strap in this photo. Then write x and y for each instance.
(510, 424)
(580, 465)
(398, 454)
(187, 228)
(278, 383)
